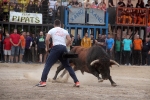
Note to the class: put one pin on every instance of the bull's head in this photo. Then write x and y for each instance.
(103, 67)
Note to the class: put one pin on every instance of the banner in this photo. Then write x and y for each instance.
(31, 18)
(76, 15)
(96, 16)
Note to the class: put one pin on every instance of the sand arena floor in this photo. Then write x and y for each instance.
(18, 83)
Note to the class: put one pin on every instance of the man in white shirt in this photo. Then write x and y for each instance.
(59, 37)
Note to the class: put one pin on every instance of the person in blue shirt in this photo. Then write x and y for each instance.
(110, 46)
(127, 44)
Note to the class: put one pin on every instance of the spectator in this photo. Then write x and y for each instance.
(101, 41)
(148, 4)
(70, 5)
(17, 8)
(28, 48)
(87, 4)
(129, 4)
(22, 46)
(30, 7)
(110, 3)
(127, 44)
(140, 4)
(75, 3)
(33, 47)
(117, 49)
(39, 7)
(41, 46)
(15, 42)
(7, 47)
(110, 45)
(80, 4)
(11, 6)
(72, 41)
(137, 50)
(86, 41)
(102, 6)
(121, 3)
(78, 41)
(92, 40)
(5, 8)
(50, 15)
(146, 52)
(94, 5)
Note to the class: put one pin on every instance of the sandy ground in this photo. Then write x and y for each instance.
(18, 83)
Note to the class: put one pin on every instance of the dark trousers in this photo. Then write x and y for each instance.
(27, 55)
(148, 59)
(117, 56)
(137, 57)
(126, 57)
(144, 57)
(56, 54)
(110, 53)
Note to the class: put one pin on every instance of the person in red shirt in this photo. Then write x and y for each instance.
(15, 41)
(7, 47)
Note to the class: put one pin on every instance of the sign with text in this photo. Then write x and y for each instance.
(31, 18)
(96, 16)
(76, 15)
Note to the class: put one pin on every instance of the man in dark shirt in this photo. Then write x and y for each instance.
(41, 45)
(121, 3)
(101, 42)
(146, 52)
(92, 40)
(111, 4)
(78, 41)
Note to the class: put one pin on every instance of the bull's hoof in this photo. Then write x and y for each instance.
(54, 81)
(100, 80)
(114, 84)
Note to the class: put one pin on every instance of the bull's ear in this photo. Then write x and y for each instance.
(112, 62)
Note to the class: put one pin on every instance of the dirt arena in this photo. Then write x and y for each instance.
(18, 83)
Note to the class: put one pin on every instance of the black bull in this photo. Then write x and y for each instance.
(92, 60)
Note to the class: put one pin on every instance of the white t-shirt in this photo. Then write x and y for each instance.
(58, 36)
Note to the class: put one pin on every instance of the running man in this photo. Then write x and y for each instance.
(59, 37)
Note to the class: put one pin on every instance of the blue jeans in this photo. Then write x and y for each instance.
(15, 50)
(56, 54)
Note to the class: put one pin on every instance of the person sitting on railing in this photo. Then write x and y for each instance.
(30, 7)
(148, 4)
(17, 8)
(129, 4)
(38, 7)
(140, 4)
(121, 3)
(75, 3)
(110, 3)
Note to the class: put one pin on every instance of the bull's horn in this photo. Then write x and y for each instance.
(93, 62)
(114, 62)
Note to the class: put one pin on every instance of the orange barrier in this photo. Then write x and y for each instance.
(132, 16)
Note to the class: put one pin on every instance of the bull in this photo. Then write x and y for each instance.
(92, 60)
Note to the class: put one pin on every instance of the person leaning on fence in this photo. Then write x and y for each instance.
(15, 41)
(137, 43)
(110, 45)
(28, 48)
(40, 43)
(22, 46)
(59, 37)
(86, 41)
(146, 52)
(7, 47)
(127, 44)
